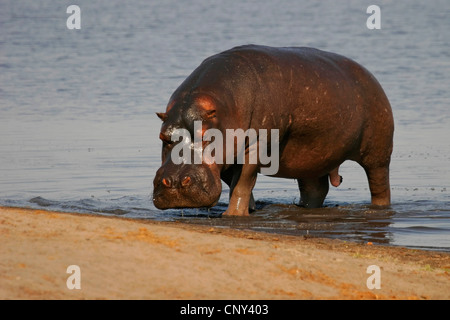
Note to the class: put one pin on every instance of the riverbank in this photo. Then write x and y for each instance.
(135, 259)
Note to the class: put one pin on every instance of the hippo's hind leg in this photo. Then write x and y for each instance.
(376, 166)
(379, 185)
(313, 191)
(376, 162)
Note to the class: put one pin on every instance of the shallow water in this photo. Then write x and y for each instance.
(78, 130)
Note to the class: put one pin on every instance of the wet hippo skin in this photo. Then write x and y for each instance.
(326, 108)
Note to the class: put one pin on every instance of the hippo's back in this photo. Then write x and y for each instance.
(313, 97)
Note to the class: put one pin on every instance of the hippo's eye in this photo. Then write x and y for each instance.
(209, 114)
(165, 138)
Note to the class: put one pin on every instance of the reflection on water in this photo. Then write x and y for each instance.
(78, 130)
(359, 223)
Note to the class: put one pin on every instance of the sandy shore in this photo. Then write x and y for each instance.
(128, 259)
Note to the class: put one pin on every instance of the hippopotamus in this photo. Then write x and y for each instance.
(325, 107)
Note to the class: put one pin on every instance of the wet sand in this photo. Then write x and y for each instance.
(134, 259)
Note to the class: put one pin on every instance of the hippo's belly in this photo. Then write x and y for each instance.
(315, 155)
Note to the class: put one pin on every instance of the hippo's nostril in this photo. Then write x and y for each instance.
(166, 182)
(186, 181)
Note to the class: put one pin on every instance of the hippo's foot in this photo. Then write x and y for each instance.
(235, 212)
(313, 191)
(335, 178)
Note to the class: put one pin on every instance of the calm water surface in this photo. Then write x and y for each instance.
(78, 130)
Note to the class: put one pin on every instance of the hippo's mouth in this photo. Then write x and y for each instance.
(177, 199)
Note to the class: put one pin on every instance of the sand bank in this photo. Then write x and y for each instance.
(134, 259)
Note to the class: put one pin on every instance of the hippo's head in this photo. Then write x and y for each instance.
(185, 184)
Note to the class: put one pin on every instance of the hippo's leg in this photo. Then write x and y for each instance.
(227, 177)
(335, 178)
(313, 191)
(379, 185)
(376, 165)
(242, 183)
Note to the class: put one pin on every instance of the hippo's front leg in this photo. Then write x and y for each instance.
(231, 177)
(313, 191)
(241, 194)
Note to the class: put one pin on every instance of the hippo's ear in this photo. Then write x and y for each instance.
(162, 116)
